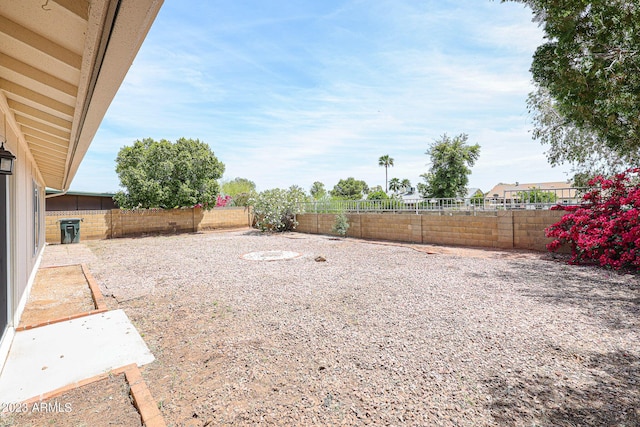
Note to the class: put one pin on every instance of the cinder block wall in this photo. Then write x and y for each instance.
(114, 223)
(94, 225)
(152, 221)
(501, 229)
(223, 218)
(528, 228)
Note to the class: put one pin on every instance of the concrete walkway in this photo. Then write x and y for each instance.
(50, 357)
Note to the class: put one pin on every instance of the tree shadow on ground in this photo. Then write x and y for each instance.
(610, 297)
(611, 398)
(606, 392)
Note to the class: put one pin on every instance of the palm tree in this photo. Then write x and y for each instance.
(405, 184)
(394, 185)
(385, 161)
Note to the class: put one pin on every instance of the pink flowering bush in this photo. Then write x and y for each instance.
(605, 229)
(221, 201)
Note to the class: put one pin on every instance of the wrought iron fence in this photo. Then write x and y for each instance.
(510, 200)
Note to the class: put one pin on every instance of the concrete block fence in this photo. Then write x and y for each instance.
(109, 224)
(497, 229)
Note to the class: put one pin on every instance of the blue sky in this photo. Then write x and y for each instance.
(296, 91)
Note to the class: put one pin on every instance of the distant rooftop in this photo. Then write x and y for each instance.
(80, 193)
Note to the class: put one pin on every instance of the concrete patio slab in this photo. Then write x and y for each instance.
(62, 354)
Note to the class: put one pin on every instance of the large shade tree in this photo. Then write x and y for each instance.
(317, 190)
(350, 188)
(162, 174)
(241, 190)
(451, 160)
(385, 161)
(589, 66)
(581, 147)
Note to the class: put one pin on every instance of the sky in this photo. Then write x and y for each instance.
(295, 91)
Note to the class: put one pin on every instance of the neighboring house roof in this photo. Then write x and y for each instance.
(413, 195)
(472, 192)
(61, 63)
(80, 193)
(410, 195)
(501, 188)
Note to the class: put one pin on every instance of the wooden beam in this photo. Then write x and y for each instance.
(41, 115)
(43, 127)
(38, 42)
(77, 7)
(46, 144)
(44, 160)
(27, 131)
(49, 154)
(39, 76)
(33, 96)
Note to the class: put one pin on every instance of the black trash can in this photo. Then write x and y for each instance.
(70, 230)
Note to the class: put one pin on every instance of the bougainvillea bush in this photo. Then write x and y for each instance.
(605, 229)
(222, 201)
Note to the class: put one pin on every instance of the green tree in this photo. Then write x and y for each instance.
(451, 160)
(237, 186)
(385, 161)
(569, 144)
(536, 195)
(590, 66)
(395, 185)
(162, 174)
(477, 199)
(377, 195)
(318, 191)
(350, 188)
(341, 224)
(240, 189)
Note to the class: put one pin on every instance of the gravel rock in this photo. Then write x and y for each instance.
(381, 335)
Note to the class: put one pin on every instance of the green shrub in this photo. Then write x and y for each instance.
(276, 210)
(341, 224)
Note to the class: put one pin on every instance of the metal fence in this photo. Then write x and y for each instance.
(510, 200)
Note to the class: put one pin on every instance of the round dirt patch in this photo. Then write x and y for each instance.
(270, 255)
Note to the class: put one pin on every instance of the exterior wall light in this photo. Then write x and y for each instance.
(6, 161)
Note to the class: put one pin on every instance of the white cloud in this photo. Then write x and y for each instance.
(294, 93)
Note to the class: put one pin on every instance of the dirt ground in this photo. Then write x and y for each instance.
(57, 293)
(378, 334)
(100, 404)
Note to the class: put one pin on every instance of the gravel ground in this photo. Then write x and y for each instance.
(377, 334)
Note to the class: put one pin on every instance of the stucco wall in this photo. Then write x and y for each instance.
(501, 229)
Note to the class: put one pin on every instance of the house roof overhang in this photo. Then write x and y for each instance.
(61, 64)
